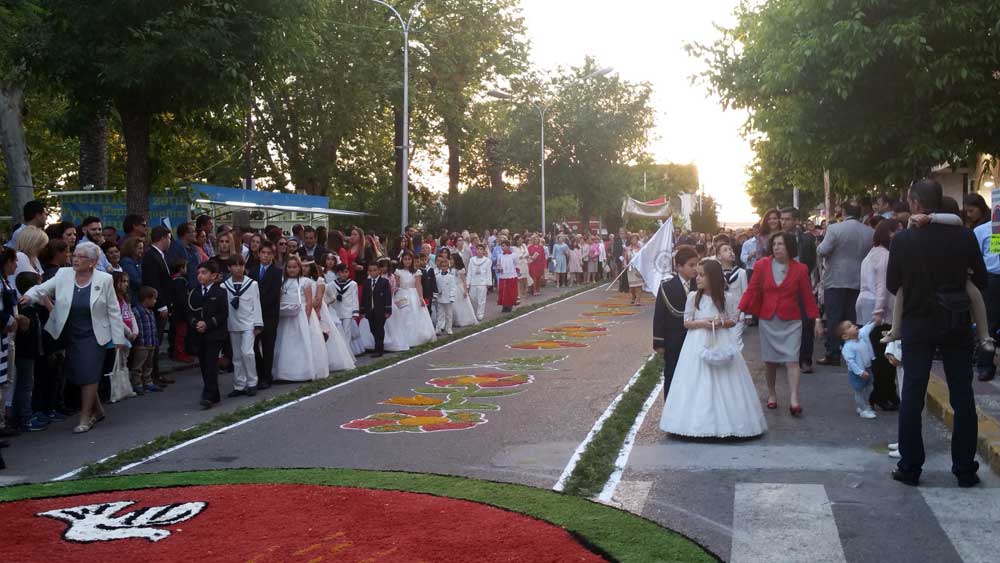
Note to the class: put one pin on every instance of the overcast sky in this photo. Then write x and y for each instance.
(644, 41)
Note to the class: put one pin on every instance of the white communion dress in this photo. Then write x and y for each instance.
(410, 320)
(709, 400)
(294, 349)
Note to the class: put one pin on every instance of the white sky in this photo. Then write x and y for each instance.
(644, 41)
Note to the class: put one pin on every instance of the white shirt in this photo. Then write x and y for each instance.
(447, 285)
(507, 266)
(249, 315)
(480, 271)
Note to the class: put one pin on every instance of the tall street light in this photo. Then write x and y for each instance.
(541, 107)
(406, 24)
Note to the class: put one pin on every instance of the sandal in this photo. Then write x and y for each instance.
(82, 428)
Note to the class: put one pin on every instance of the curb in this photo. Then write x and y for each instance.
(989, 427)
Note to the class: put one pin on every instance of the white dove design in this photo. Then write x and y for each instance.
(98, 522)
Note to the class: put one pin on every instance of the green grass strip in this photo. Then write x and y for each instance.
(137, 453)
(619, 535)
(598, 461)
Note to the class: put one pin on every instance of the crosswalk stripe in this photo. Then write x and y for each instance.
(969, 518)
(777, 522)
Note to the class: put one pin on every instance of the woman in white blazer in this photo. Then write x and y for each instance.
(87, 310)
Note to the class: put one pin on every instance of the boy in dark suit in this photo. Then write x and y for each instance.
(269, 279)
(208, 313)
(376, 305)
(668, 317)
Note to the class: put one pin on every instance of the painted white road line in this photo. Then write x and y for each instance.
(320, 392)
(970, 519)
(778, 522)
(616, 476)
(598, 424)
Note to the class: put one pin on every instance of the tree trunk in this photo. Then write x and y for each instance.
(94, 154)
(14, 147)
(585, 208)
(454, 159)
(493, 165)
(135, 126)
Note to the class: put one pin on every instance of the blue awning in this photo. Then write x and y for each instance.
(270, 199)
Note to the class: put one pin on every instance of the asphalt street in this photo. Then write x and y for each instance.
(811, 489)
(528, 440)
(42, 456)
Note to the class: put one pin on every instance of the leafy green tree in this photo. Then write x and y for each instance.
(705, 218)
(880, 90)
(468, 44)
(147, 59)
(595, 129)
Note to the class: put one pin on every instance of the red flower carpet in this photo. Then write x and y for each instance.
(265, 523)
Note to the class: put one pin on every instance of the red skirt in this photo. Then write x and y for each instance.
(507, 292)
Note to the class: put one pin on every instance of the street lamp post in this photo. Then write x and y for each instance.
(541, 108)
(406, 24)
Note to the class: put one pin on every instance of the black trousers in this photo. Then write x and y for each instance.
(883, 374)
(208, 361)
(920, 340)
(984, 362)
(263, 351)
(672, 344)
(838, 307)
(377, 325)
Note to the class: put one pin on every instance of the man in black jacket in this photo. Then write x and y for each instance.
(208, 315)
(790, 218)
(931, 266)
(376, 305)
(269, 280)
(156, 274)
(668, 316)
(310, 249)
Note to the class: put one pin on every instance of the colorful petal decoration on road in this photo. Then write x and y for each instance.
(546, 345)
(576, 331)
(457, 402)
(418, 422)
(527, 363)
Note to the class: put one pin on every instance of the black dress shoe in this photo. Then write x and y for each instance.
(236, 393)
(262, 386)
(4, 444)
(251, 391)
(905, 478)
(966, 481)
(205, 404)
(985, 376)
(9, 432)
(806, 367)
(829, 361)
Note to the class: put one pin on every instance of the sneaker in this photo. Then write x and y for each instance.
(139, 390)
(35, 424)
(867, 414)
(54, 416)
(894, 446)
(153, 388)
(895, 454)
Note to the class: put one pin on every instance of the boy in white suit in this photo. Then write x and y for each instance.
(245, 323)
(447, 290)
(479, 276)
(344, 292)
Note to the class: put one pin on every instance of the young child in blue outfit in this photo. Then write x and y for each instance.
(858, 354)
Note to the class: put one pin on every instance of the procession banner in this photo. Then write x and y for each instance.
(163, 209)
(655, 260)
(656, 209)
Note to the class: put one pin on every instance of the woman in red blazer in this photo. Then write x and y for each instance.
(779, 284)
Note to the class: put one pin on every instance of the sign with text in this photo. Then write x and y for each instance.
(168, 209)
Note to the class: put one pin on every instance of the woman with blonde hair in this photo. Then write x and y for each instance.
(30, 243)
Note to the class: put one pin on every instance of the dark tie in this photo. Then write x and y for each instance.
(262, 270)
(236, 300)
(204, 291)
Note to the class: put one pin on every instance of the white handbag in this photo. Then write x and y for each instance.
(717, 355)
(121, 387)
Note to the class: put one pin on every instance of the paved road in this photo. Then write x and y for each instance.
(45, 455)
(814, 489)
(528, 440)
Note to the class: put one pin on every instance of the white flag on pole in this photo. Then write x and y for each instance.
(655, 260)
